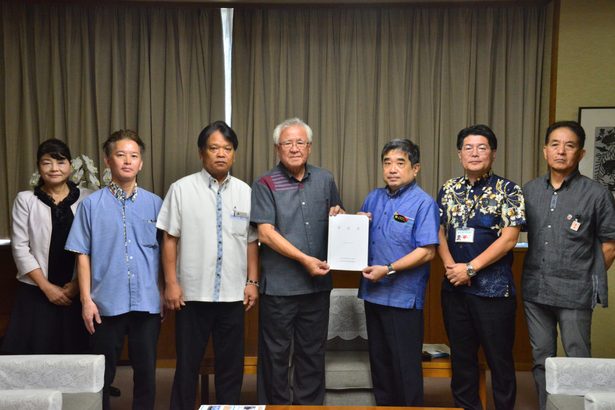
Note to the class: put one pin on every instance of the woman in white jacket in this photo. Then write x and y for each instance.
(46, 316)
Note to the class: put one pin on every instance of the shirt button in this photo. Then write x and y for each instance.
(302, 203)
(546, 242)
(307, 223)
(129, 241)
(549, 226)
(552, 209)
(131, 257)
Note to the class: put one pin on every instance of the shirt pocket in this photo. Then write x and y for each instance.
(401, 232)
(239, 225)
(146, 233)
(319, 209)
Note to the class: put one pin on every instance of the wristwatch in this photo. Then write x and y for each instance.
(390, 268)
(470, 270)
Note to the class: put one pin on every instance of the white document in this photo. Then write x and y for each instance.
(348, 242)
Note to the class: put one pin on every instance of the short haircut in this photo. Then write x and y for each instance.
(572, 126)
(56, 149)
(478, 129)
(226, 131)
(405, 145)
(119, 135)
(290, 123)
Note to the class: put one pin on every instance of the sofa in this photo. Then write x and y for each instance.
(54, 382)
(577, 383)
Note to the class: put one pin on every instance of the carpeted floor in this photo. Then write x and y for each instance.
(437, 392)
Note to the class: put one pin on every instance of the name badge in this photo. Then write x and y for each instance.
(239, 214)
(575, 225)
(464, 235)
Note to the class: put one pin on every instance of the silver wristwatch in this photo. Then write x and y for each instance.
(390, 268)
(470, 270)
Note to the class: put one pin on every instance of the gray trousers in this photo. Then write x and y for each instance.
(542, 322)
(292, 329)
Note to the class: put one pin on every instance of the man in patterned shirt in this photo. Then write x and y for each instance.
(481, 215)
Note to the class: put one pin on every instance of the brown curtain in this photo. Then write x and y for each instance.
(81, 71)
(362, 76)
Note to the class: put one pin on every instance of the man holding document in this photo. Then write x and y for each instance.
(290, 206)
(402, 240)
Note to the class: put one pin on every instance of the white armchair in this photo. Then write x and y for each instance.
(575, 383)
(51, 381)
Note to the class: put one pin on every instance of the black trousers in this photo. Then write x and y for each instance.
(471, 322)
(193, 325)
(395, 338)
(301, 321)
(142, 329)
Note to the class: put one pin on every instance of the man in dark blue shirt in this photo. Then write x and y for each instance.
(481, 215)
(402, 240)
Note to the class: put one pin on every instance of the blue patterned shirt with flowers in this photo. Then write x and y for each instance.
(487, 206)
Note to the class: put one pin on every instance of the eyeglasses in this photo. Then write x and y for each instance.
(482, 148)
(300, 144)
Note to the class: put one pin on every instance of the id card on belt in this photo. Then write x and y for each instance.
(464, 235)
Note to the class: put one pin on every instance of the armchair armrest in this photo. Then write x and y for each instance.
(578, 376)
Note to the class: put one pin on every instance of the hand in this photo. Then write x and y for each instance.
(173, 296)
(250, 296)
(457, 274)
(375, 273)
(335, 210)
(89, 313)
(315, 266)
(56, 295)
(71, 289)
(368, 214)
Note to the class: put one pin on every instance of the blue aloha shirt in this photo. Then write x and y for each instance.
(489, 205)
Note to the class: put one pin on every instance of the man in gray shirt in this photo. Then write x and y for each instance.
(291, 205)
(571, 233)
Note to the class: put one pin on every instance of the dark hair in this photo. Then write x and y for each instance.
(226, 131)
(122, 135)
(572, 125)
(478, 129)
(405, 145)
(55, 148)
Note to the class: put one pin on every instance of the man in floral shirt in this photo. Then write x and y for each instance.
(481, 215)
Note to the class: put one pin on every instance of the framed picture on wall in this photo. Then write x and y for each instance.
(599, 160)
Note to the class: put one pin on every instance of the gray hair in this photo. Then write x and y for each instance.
(290, 123)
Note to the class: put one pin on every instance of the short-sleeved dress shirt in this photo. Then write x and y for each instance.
(121, 238)
(299, 211)
(564, 265)
(212, 221)
(401, 222)
(489, 205)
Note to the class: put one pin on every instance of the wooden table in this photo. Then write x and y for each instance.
(432, 368)
(278, 407)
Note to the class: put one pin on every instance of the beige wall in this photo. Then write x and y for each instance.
(586, 77)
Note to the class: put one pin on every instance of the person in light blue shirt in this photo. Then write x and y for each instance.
(402, 240)
(114, 234)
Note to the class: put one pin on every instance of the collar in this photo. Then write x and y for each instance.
(482, 179)
(120, 194)
(401, 190)
(565, 183)
(286, 172)
(211, 181)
